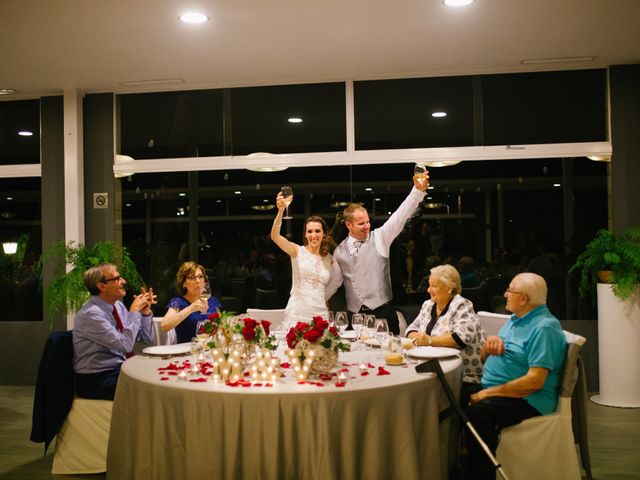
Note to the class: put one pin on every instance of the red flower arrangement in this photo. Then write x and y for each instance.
(317, 332)
(226, 324)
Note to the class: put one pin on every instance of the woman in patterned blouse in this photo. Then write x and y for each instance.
(448, 320)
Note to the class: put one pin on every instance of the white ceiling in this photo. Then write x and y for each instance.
(95, 45)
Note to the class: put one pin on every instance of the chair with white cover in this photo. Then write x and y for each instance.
(492, 322)
(160, 337)
(402, 323)
(544, 446)
(81, 443)
(275, 316)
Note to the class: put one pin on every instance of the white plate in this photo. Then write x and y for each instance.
(432, 352)
(372, 342)
(179, 349)
(349, 335)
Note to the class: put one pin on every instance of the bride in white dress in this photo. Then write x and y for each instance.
(310, 267)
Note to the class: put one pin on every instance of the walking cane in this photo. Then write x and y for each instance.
(433, 366)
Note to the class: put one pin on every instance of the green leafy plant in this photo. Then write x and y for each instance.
(66, 294)
(615, 252)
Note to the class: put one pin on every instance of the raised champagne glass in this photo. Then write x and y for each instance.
(287, 194)
(420, 171)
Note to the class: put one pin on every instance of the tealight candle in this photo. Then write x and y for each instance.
(195, 370)
(182, 375)
(363, 367)
(341, 379)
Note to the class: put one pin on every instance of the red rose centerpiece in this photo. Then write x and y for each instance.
(314, 347)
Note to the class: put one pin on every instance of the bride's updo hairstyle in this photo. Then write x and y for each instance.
(327, 240)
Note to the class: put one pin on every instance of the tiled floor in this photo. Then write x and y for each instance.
(614, 435)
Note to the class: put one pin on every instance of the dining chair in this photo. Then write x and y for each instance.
(544, 446)
(275, 316)
(81, 443)
(160, 337)
(54, 387)
(492, 322)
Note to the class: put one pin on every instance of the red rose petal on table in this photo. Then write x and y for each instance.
(232, 384)
(364, 374)
(198, 380)
(285, 365)
(172, 373)
(257, 384)
(370, 365)
(268, 385)
(164, 378)
(382, 371)
(340, 384)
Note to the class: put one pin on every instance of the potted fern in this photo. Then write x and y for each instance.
(612, 258)
(66, 293)
(618, 313)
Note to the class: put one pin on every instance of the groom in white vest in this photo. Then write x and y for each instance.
(361, 261)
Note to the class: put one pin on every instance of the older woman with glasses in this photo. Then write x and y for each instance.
(448, 320)
(184, 312)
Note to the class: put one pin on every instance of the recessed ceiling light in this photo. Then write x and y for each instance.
(457, 3)
(556, 184)
(25, 133)
(182, 194)
(368, 189)
(439, 114)
(9, 198)
(127, 204)
(294, 120)
(194, 17)
(238, 192)
(7, 91)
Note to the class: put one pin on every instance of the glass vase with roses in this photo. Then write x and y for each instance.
(319, 341)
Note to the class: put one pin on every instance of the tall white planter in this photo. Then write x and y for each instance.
(619, 350)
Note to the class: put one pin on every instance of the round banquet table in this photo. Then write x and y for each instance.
(374, 427)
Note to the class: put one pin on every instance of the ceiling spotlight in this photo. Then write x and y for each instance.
(194, 17)
(439, 114)
(457, 3)
(25, 133)
(7, 91)
(294, 120)
(556, 185)
(182, 194)
(238, 192)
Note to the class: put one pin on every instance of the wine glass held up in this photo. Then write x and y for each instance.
(421, 175)
(287, 193)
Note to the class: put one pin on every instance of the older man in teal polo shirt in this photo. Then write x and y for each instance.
(522, 366)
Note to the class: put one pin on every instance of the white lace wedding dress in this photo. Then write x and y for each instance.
(310, 274)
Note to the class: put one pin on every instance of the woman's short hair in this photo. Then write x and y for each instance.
(186, 270)
(327, 240)
(94, 275)
(533, 286)
(448, 276)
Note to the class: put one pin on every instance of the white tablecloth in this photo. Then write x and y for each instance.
(374, 427)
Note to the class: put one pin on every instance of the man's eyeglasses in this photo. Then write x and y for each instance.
(511, 292)
(196, 277)
(114, 279)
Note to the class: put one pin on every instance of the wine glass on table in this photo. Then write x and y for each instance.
(201, 333)
(420, 172)
(370, 328)
(381, 329)
(287, 194)
(341, 322)
(357, 322)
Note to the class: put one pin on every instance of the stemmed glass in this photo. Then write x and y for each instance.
(341, 321)
(381, 329)
(201, 334)
(206, 291)
(287, 193)
(332, 321)
(357, 321)
(420, 171)
(370, 327)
